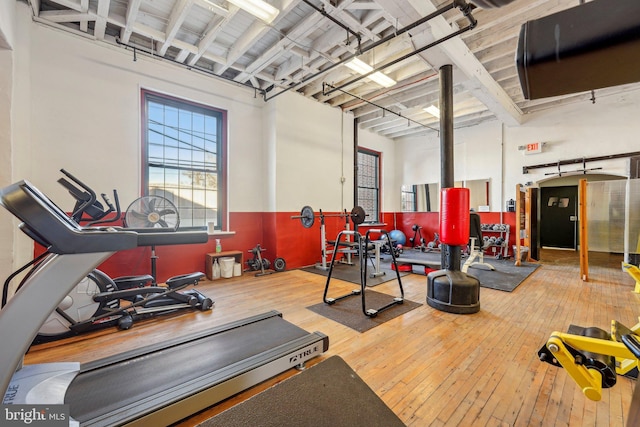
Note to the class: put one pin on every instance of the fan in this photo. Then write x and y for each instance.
(152, 212)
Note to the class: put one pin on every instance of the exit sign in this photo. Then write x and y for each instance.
(534, 147)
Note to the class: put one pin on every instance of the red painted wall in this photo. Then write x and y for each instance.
(276, 232)
(430, 223)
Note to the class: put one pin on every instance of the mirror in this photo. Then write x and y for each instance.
(420, 198)
(425, 197)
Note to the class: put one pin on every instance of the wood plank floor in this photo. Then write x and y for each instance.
(431, 368)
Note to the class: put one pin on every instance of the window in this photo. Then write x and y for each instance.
(409, 198)
(368, 183)
(184, 148)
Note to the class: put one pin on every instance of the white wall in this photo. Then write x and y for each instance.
(490, 151)
(610, 126)
(7, 225)
(84, 116)
(7, 37)
(7, 19)
(314, 150)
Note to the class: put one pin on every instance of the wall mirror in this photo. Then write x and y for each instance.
(426, 197)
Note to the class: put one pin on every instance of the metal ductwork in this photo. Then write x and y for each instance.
(590, 46)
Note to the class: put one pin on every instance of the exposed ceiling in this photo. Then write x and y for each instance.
(305, 47)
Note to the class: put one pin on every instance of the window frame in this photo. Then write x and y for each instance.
(378, 180)
(221, 159)
(409, 197)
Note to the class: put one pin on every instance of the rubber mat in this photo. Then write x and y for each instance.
(349, 310)
(329, 394)
(506, 276)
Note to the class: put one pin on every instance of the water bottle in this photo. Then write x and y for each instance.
(215, 273)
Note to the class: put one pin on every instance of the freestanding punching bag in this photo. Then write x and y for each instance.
(454, 216)
(450, 289)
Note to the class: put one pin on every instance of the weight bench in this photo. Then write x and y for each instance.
(363, 245)
(475, 233)
(348, 248)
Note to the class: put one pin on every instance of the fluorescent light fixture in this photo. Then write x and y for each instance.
(359, 67)
(382, 79)
(363, 68)
(433, 110)
(258, 8)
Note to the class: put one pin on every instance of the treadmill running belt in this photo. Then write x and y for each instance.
(135, 381)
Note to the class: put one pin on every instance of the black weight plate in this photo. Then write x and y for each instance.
(279, 264)
(306, 217)
(358, 215)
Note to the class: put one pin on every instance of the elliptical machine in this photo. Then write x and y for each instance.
(99, 301)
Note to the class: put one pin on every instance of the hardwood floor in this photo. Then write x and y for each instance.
(431, 368)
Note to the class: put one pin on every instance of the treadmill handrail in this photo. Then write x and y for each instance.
(47, 224)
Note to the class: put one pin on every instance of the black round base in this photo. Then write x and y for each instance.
(453, 292)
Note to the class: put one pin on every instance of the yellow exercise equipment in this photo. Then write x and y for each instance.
(592, 356)
(633, 272)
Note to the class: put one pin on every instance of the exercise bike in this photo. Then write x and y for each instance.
(99, 301)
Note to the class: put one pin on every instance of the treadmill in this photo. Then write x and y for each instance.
(155, 385)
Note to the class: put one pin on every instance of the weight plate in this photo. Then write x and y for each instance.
(279, 264)
(358, 215)
(306, 217)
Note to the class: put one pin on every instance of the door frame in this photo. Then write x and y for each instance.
(565, 181)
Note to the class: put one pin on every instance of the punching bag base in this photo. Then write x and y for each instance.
(453, 292)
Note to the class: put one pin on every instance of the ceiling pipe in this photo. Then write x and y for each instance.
(456, 3)
(378, 106)
(150, 53)
(331, 18)
(526, 169)
(471, 25)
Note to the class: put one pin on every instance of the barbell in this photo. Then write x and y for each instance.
(307, 217)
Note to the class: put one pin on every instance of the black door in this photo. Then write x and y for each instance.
(558, 216)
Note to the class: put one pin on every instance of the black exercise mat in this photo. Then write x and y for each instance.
(329, 394)
(351, 273)
(506, 276)
(349, 310)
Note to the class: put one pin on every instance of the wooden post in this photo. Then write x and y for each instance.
(519, 208)
(527, 221)
(584, 241)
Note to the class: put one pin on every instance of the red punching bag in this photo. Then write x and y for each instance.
(454, 216)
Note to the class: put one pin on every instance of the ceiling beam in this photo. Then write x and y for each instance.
(214, 28)
(100, 25)
(481, 84)
(257, 30)
(133, 6)
(178, 14)
(288, 41)
(84, 7)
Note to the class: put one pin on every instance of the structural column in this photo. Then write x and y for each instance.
(451, 255)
